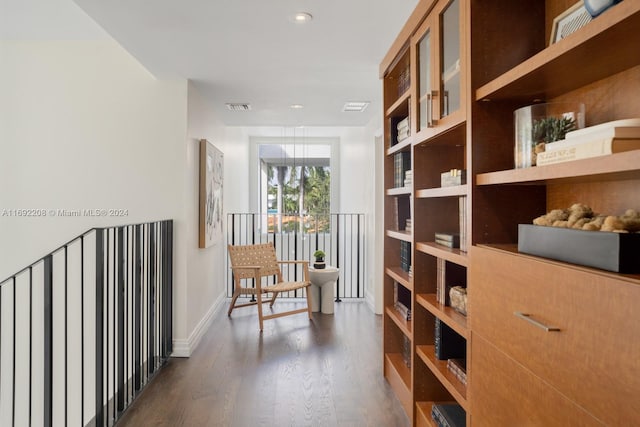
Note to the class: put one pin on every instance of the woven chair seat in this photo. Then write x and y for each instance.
(253, 262)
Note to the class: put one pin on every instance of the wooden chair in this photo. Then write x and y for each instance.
(256, 262)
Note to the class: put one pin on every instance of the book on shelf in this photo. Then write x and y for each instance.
(450, 240)
(453, 177)
(408, 225)
(626, 128)
(403, 310)
(406, 351)
(448, 415)
(401, 164)
(462, 216)
(567, 150)
(408, 178)
(448, 344)
(458, 368)
(405, 255)
(403, 130)
(440, 280)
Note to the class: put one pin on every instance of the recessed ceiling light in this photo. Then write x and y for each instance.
(355, 106)
(302, 17)
(238, 106)
(296, 106)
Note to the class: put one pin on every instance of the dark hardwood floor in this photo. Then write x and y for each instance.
(296, 373)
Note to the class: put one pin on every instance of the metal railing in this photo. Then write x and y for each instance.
(297, 237)
(84, 329)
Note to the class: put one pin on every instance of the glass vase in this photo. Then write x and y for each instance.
(538, 124)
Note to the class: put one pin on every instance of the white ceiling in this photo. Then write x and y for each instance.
(244, 51)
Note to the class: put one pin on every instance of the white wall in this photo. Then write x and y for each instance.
(83, 126)
(204, 289)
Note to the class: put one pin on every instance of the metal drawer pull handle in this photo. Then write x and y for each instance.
(534, 322)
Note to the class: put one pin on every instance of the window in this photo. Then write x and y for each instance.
(295, 182)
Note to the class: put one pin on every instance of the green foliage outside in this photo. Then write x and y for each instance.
(314, 182)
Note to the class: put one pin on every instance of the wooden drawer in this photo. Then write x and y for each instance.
(594, 358)
(506, 394)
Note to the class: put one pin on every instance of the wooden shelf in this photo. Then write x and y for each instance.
(618, 166)
(602, 48)
(423, 415)
(400, 103)
(402, 324)
(448, 315)
(453, 255)
(399, 235)
(400, 276)
(399, 376)
(512, 249)
(439, 368)
(399, 191)
(455, 191)
(400, 146)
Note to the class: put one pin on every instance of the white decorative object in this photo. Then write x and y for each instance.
(569, 21)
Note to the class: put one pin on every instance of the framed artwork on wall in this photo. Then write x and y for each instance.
(211, 175)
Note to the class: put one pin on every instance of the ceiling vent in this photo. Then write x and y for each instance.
(238, 106)
(355, 106)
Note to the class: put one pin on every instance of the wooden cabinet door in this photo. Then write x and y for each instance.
(593, 358)
(507, 395)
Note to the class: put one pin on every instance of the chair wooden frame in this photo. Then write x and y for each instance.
(256, 262)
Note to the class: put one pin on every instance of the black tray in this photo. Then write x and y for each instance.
(618, 252)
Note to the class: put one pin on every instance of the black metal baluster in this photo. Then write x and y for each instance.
(100, 279)
(137, 309)
(170, 288)
(119, 363)
(151, 297)
(338, 257)
(30, 340)
(66, 335)
(13, 400)
(48, 341)
(81, 331)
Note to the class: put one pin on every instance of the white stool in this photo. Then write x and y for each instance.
(322, 288)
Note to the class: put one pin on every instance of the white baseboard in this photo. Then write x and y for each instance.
(371, 301)
(184, 348)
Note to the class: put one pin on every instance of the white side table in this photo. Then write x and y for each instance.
(322, 288)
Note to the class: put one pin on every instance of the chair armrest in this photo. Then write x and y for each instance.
(293, 262)
(305, 268)
(246, 267)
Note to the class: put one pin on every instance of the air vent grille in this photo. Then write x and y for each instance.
(238, 106)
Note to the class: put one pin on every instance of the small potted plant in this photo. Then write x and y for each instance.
(319, 256)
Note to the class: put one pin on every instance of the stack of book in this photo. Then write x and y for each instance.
(441, 294)
(408, 225)
(600, 140)
(408, 178)
(450, 240)
(448, 415)
(401, 164)
(462, 215)
(403, 130)
(458, 367)
(405, 255)
(453, 177)
(402, 300)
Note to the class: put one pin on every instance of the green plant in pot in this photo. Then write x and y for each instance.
(319, 256)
